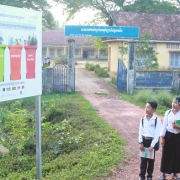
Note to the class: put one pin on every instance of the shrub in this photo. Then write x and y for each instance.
(114, 80)
(89, 67)
(61, 59)
(175, 91)
(164, 98)
(102, 73)
(144, 95)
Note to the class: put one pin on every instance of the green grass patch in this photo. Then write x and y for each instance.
(140, 97)
(76, 142)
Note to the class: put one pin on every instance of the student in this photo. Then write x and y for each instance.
(149, 131)
(170, 141)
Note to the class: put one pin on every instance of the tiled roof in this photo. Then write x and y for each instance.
(163, 27)
(53, 37)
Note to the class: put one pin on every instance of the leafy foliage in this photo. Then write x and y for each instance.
(98, 43)
(103, 7)
(43, 5)
(101, 72)
(146, 55)
(163, 97)
(123, 50)
(175, 91)
(61, 59)
(152, 6)
(76, 143)
(114, 80)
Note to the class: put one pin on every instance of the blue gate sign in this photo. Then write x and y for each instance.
(102, 31)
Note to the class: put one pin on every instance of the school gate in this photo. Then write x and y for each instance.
(60, 78)
(122, 77)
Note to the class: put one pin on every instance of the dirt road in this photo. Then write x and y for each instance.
(123, 116)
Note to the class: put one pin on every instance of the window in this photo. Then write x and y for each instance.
(172, 46)
(44, 52)
(51, 52)
(58, 51)
(143, 61)
(66, 53)
(103, 53)
(76, 51)
(91, 52)
(154, 45)
(174, 61)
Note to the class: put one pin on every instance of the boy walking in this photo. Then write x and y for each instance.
(149, 131)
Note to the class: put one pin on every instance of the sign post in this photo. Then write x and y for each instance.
(38, 138)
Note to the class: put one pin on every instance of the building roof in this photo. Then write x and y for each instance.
(57, 37)
(163, 27)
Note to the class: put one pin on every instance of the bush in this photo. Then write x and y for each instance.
(70, 149)
(144, 95)
(101, 72)
(89, 67)
(164, 98)
(114, 80)
(61, 59)
(175, 91)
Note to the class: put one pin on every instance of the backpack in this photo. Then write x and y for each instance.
(156, 147)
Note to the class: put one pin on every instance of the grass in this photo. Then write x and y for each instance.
(99, 149)
(140, 97)
(101, 93)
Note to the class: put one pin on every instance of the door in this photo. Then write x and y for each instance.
(85, 54)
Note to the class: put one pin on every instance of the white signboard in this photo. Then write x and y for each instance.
(20, 53)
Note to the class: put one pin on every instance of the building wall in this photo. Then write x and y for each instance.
(161, 48)
(113, 56)
(163, 56)
(81, 52)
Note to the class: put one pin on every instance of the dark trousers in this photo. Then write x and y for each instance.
(147, 165)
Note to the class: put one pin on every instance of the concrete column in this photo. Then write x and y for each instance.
(71, 66)
(175, 79)
(131, 68)
(47, 80)
(47, 52)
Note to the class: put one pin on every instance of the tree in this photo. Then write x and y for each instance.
(98, 43)
(145, 54)
(42, 5)
(151, 7)
(104, 6)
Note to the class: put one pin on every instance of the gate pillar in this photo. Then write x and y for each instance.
(131, 68)
(71, 66)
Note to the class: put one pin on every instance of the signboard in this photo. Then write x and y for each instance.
(20, 53)
(102, 31)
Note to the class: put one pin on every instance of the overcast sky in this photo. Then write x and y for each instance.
(80, 18)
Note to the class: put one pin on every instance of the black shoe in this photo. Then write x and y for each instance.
(149, 178)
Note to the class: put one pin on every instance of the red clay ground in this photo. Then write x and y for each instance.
(123, 116)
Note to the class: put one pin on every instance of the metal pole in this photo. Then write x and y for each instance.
(38, 138)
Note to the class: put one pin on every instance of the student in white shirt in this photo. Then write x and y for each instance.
(170, 141)
(149, 131)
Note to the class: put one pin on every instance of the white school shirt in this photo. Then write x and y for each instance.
(149, 129)
(169, 118)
